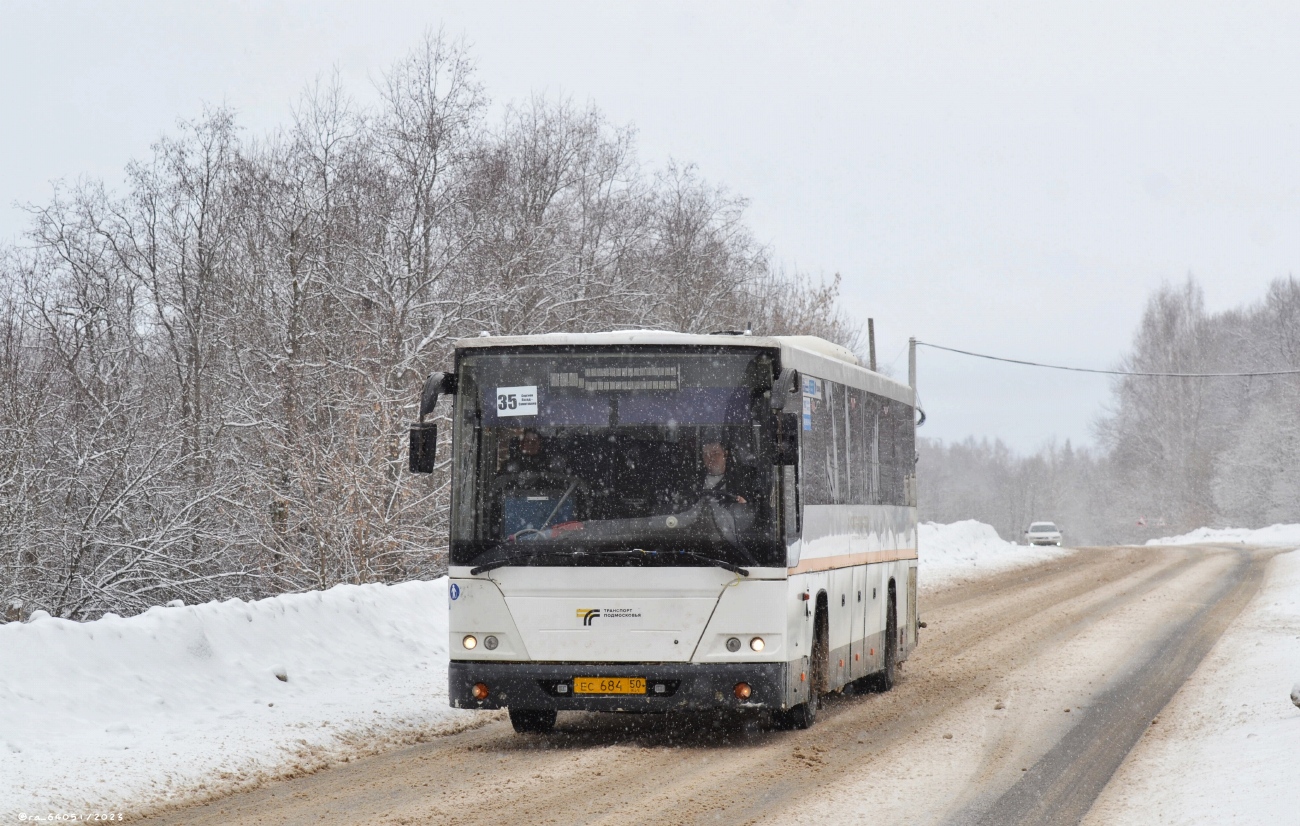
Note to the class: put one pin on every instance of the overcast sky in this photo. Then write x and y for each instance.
(1010, 178)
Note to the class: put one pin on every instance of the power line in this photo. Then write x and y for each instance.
(1111, 372)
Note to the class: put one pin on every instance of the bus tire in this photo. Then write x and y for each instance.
(889, 675)
(801, 716)
(819, 662)
(532, 720)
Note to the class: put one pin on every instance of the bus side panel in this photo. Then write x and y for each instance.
(841, 626)
(875, 643)
(859, 598)
(902, 573)
(912, 609)
(799, 632)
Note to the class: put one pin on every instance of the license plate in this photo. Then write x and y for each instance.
(609, 685)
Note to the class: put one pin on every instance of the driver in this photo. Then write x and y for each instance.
(531, 457)
(720, 477)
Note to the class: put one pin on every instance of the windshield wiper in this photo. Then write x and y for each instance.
(511, 559)
(721, 563)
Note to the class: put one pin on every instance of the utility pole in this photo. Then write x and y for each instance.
(871, 342)
(911, 362)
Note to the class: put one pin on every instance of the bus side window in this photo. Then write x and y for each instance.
(790, 502)
(869, 452)
(856, 439)
(898, 451)
(814, 451)
(891, 479)
(791, 518)
(838, 459)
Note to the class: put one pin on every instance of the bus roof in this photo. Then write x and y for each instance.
(807, 354)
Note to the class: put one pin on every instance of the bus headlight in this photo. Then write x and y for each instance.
(490, 642)
(757, 643)
(470, 642)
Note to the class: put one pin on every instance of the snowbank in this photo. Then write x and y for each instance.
(180, 700)
(969, 549)
(1224, 749)
(1287, 536)
(117, 714)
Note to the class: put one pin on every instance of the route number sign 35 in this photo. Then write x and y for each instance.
(517, 401)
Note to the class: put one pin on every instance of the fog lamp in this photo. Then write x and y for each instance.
(733, 644)
(490, 642)
(757, 643)
(743, 691)
(480, 691)
(470, 641)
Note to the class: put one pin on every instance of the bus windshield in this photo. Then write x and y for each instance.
(629, 457)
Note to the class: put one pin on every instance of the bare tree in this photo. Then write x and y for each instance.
(205, 380)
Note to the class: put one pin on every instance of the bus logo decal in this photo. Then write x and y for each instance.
(588, 614)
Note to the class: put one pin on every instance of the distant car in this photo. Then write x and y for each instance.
(1043, 533)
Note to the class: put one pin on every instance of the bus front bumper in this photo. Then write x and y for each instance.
(668, 686)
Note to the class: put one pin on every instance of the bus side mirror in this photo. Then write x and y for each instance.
(424, 446)
(787, 439)
(424, 435)
(787, 382)
(436, 385)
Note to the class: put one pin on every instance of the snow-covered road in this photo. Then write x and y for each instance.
(1227, 747)
(183, 703)
(1010, 668)
(186, 703)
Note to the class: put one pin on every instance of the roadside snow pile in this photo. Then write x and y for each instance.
(1225, 747)
(1287, 536)
(106, 715)
(969, 549)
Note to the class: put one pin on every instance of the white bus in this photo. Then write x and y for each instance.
(655, 522)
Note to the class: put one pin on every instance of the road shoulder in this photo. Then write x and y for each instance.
(1224, 749)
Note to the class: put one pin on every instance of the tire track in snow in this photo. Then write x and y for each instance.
(1061, 787)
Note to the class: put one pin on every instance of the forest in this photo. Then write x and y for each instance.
(207, 377)
(207, 373)
(1173, 453)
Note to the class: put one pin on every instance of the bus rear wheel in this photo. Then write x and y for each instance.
(532, 720)
(889, 675)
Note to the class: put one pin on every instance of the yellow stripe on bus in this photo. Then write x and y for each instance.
(827, 563)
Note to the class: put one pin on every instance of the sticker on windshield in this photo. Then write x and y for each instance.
(812, 388)
(807, 413)
(517, 401)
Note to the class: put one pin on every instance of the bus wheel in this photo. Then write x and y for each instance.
(800, 717)
(890, 674)
(532, 720)
(805, 714)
